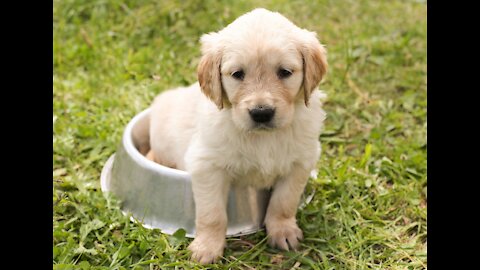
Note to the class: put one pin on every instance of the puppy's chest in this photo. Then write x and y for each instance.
(256, 178)
(260, 162)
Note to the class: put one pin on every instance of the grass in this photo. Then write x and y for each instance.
(368, 209)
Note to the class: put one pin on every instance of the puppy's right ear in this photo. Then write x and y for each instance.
(208, 71)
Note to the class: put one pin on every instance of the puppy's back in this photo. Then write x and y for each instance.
(172, 124)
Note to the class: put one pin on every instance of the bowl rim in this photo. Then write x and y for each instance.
(132, 151)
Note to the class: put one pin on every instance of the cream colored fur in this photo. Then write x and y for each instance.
(206, 128)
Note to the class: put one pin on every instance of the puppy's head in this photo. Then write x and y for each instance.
(261, 67)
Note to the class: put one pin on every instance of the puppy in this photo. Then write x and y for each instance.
(253, 119)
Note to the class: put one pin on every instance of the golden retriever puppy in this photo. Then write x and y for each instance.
(254, 119)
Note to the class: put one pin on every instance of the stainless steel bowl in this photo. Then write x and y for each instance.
(161, 197)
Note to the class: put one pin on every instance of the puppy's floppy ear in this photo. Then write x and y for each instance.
(208, 71)
(314, 62)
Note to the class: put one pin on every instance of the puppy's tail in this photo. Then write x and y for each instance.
(141, 135)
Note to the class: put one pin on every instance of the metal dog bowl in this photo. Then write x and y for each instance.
(161, 197)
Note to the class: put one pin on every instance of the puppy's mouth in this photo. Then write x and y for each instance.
(262, 127)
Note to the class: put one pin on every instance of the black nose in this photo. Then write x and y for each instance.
(262, 114)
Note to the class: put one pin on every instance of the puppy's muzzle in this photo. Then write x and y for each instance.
(262, 114)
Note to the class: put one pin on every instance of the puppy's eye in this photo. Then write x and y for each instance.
(284, 73)
(239, 75)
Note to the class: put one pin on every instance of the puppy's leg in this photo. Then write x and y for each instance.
(210, 189)
(150, 155)
(282, 229)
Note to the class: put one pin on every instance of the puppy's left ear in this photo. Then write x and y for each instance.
(314, 63)
(208, 70)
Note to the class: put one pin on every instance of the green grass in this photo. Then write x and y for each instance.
(368, 209)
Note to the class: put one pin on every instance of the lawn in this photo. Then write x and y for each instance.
(368, 203)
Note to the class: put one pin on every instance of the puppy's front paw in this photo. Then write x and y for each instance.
(205, 250)
(283, 233)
